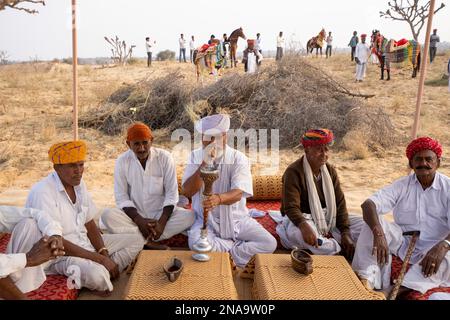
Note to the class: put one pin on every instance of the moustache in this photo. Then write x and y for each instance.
(423, 167)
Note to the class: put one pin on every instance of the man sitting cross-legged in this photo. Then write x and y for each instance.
(230, 227)
(35, 239)
(313, 204)
(146, 192)
(419, 202)
(94, 257)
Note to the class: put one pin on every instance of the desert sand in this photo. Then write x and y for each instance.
(36, 106)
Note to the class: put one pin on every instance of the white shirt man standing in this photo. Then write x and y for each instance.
(182, 42)
(192, 48)
(362, 54)
(280, 46)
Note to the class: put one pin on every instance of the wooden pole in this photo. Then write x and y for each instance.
(423, 71)
(75, 70)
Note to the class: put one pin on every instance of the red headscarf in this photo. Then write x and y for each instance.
(424, 143)
(139, 131)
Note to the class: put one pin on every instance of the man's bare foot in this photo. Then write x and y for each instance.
(150, 245)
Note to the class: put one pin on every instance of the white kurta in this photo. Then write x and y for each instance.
(362, 53)
(33, 224)
(149, 191)
(413, 209)
(230, 228)
(49, 195)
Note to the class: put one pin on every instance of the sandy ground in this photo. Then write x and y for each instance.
(35, 112)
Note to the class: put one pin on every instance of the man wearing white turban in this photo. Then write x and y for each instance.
(230, 227)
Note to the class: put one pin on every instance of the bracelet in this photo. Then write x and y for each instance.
(102, 249)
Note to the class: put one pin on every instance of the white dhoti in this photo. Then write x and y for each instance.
(251, 63)
(123, 249)
(117, 222)
(291, 236)
(251, 238)
(361, 71)
(366, 266)
(25, 234)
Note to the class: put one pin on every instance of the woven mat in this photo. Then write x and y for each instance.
(212, 280)
(332, 279)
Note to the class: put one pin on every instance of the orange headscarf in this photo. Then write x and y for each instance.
(67, 152)
(139, 131)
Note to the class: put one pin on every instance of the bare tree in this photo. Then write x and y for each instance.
(120, 55)
(411, 11)
(14, 4)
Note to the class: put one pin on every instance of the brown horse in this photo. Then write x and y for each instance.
(316, 43)
(233, 38)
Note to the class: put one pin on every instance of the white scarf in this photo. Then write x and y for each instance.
(325, 219)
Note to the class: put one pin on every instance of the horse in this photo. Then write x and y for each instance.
(233, 39)
(210, 57)
(391, 51)
(316, 43)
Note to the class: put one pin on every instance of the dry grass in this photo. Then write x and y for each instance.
(32, 117)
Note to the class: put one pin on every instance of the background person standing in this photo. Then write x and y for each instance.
(434, 39)
(182, 42)
(329, 45)
(353, 43)
(280, 46)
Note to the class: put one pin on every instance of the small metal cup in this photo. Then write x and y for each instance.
(173, 269)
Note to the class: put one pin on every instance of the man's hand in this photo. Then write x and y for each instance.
(308, 234)
(42, 252)
(211, 202)
(157, 228)
(145, 226)
(357, 60)
(348, 246)
(433, 259)
(111, 266)
(56, 245)
(380, 246)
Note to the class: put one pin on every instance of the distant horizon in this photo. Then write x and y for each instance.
(47, 35)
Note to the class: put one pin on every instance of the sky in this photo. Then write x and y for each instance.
(47, 35)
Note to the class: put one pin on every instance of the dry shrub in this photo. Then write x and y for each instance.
(398, 103)
(356, 143)
(291, 96)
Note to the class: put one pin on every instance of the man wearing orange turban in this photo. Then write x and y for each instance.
(419, 202)
(146, 192)
(64, 195)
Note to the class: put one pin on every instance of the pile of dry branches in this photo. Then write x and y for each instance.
(291, 96)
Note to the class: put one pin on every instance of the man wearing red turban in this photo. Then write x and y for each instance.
(419, 202)
(146, 192)
(313, 204)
